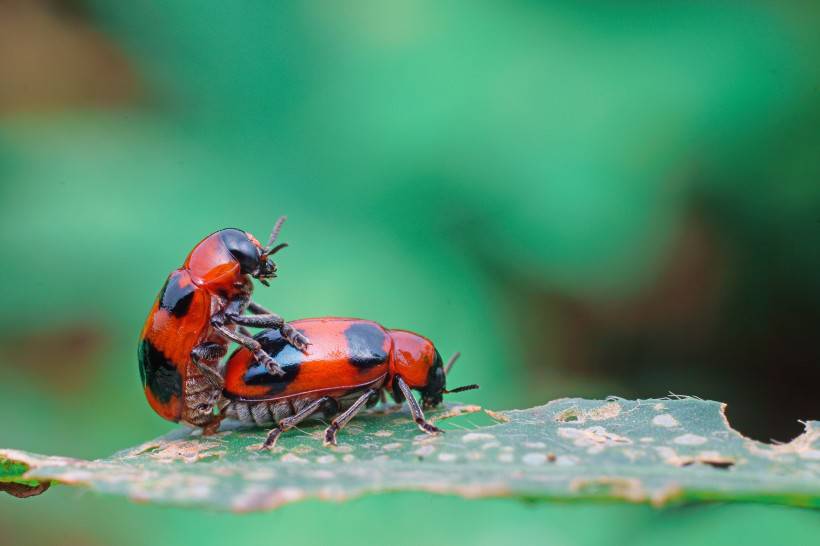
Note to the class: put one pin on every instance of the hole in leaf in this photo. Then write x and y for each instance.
(723, 464)
(568, 416)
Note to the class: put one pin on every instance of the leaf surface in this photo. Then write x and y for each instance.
(647, 451)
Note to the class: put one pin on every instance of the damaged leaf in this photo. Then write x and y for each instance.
(646, 451)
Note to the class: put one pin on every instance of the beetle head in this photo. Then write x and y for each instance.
(264, 267)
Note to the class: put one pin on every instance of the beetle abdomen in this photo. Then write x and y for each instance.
(271, 412)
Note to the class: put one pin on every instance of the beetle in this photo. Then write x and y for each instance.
(197, 314)
(351, 363)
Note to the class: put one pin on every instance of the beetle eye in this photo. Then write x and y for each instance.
(242, 249)
(247, 264)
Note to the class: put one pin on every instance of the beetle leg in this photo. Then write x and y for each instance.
(209, 351)
(295, 338)
(268, 320)
(252, 345)
(344, 418)
(415, 409)
(293, 420)
(257, 309)
(276, 322)
(213, 425)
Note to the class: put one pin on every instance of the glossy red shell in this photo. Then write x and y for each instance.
(345, 355)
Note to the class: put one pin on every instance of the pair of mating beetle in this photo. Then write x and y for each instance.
(286, 373)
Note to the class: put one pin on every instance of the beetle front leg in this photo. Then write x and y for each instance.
(263, 318)
(415, 409)
(252, 345)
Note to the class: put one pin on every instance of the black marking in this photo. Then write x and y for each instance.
(242, 249)
(436, 381)
(365, 345)
(175, 298)
(158, 373)
(286, 355)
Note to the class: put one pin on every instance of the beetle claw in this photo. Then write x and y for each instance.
(330, 437)
(299, 341)
(269, 363)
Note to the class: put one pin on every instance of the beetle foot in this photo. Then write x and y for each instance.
(270, 441)
(295, 338)
(330, 435)
(427, 427)
(213, 426)
(273, 368)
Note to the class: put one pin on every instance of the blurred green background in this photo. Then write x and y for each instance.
(585, 199)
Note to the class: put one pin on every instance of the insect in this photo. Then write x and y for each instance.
(198, 313)
(350, 365)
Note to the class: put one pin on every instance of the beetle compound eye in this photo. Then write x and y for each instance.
(242, 249)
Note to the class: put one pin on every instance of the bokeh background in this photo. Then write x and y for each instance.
(584, 198)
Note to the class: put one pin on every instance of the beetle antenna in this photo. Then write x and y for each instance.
(274, 234)
(450, 362)
(276, 249)
(461, 389)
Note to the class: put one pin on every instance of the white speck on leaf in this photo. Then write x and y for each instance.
(425, 451)
(567, 460)
(811, 454)
(689, 439)
(476, 437)
(506, 457)
(534, 459)
(291, 458)
(665, 420)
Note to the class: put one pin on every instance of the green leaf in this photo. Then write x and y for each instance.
(646, 451)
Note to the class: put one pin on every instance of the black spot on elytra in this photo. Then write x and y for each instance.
(158, 373)
(365, 345)
(175, 298)
(288, 357)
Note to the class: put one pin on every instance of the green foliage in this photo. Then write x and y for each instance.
(646, 451)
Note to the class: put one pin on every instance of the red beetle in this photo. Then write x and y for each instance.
(198, 312)
(350, 364)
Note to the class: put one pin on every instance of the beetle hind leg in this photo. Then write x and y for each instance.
(290, 422)
(343, 419)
